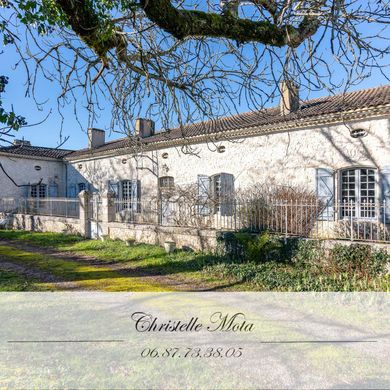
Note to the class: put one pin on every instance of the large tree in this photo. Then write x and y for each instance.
(181, 61)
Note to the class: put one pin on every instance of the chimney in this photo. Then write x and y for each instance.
(144, 128)
(289, 97)
(21, 142)
(96, 138)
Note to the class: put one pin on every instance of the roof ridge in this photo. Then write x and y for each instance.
(37, 147)
(258, 111)
(351, 102)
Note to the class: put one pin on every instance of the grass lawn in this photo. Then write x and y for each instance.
(113, 266)
(12, 281)
(145, 260)
(73, 275)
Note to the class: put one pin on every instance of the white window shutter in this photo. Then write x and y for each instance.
(136, 196)
(113, 186)
(325, 191)
(385, 191)
(227, 194)
(204, 184)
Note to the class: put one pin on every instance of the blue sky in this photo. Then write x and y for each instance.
(48, 133)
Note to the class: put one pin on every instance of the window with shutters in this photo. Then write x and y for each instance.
(358, 193)
(126, 192)
(38, 191)
(130, 195)
(216, 194)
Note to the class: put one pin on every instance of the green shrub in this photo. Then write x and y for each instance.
(359, 259)
(273, 276)
(309, 254)
(250, 247)
(355, 267)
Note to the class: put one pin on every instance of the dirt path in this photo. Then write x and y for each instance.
(37, 275)
(176, 282)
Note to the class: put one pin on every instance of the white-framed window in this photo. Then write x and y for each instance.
(126, 190)
(38, 191)
(358, 193)
(130, 195)
(166, 182)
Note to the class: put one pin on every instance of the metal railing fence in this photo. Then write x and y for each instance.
(60, 207)
(356, 221)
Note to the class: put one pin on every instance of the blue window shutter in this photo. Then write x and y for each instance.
(203, 194)
(227, 194)
(72, 192)
(113, 186)
(385, 190)
(53, 190)
(326, 192)
(136, 196)
(26, 191)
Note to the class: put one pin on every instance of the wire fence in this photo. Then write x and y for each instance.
(59, 207)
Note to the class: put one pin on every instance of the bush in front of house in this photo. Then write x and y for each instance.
(312, 267)
(249, 247)
(361, 260)
(273, 276)
(290, 209)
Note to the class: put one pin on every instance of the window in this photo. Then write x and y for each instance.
(130, 195)
(358, 133)
(126, 190)
(216, 194)
(166, 182)
(38, 191)
(358, 193)
(81, 187)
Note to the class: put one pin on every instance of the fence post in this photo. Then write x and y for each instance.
(384, 218)
(84, 213)
(108, 210)
(286, 222)
(351, 219)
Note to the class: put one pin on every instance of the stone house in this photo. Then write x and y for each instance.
(336, 146)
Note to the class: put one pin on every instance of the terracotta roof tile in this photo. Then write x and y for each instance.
(309, 109)
(35, 151)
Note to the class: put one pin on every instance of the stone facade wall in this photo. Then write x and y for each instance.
(42, 223)
(287, 158)
(22, 170)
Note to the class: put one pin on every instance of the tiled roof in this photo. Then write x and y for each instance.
(352, 101)
(35, 151)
